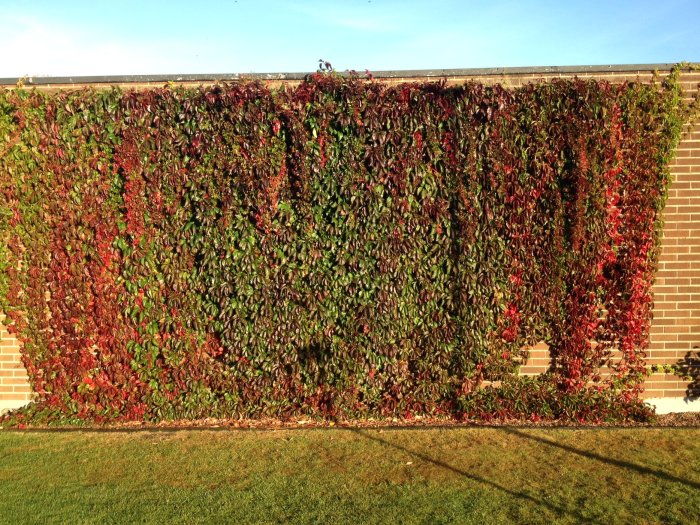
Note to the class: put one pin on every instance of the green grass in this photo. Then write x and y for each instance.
(467, 475)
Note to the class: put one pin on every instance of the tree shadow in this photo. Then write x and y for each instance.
(478, 479)
(641, 469)
(689, 367)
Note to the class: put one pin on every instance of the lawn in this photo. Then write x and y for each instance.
(460, 475)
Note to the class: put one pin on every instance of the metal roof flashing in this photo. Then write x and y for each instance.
(409, 73)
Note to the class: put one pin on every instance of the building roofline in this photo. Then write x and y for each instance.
(408, 73)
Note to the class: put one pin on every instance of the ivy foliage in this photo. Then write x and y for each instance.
(341, 248)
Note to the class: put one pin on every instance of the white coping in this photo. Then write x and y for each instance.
(667, 405)
(6, 406)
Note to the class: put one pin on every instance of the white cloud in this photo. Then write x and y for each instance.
(33, 48)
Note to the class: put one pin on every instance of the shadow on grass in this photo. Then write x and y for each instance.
(478, 479)
(610, 461)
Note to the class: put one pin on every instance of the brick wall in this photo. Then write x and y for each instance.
(675, 331)
(14, 388)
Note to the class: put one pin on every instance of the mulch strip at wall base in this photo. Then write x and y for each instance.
(673, 420)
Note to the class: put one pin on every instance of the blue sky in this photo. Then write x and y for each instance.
(243, 36)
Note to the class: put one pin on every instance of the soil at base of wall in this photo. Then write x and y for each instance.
(679, 420)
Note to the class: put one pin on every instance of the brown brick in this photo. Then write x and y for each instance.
(657, 385)
(15, 397)
(676, 249)
(665, 337)
(685, 265)
(664, 354)
(665, 291)
(678, 328)
(12, 380)
(653, 360)
(650, 394)
(532, 370)
(671, 279)
(674, 393)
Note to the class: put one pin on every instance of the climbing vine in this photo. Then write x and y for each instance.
(341, 248)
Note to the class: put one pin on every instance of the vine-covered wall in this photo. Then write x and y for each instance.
(342, 247)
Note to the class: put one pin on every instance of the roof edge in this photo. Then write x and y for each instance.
(408, 73)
